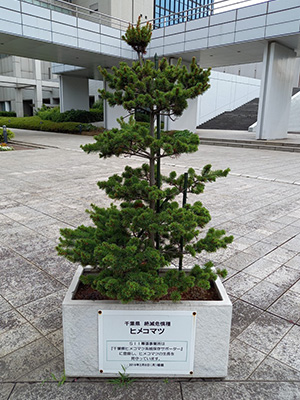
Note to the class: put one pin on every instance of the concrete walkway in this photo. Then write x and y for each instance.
(43, 190)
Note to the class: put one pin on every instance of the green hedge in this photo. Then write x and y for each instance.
(81, 116)
(10, 135)
(7, 114)
(35, 123)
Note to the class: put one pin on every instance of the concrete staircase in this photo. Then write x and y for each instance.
(238, 120)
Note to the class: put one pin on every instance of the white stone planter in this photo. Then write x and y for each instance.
(81, 332)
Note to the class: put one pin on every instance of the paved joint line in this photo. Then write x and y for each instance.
(39, 268)
(181, 391)
(243, 175)
(13, 388)
(269, 312)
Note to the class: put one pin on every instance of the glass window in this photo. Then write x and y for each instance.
(167, 7)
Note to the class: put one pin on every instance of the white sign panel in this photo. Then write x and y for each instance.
(147, 342)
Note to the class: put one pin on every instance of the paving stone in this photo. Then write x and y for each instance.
(242, 243)
(296, 287)
(240, 284)
(16, 338)
(280, 255)
(25, 359)
(36, 242)
(284, 277)
(155, 390)
(259, 234)
(260, 249)
(288, 350)
(60, 269)
(293, 244)
(9, 320)
(56, 338)
(5, 390)
(262, 268)
(42, 306)
(243, 360)
(37, 223)
(11, 266)
(243, 314)
(287, 219)
(241, 390)
(50, 322)
(221, 255)
(43, 372)
(265, 332)
(4, 306)
(277, 239)
(263, 294)
(40, 256)
(5, 252)
(287, 306)
(241, 261)
(15, 235)
(26, 289)
(274, 370)
(296, 222)
(294, 262)
(19, 213)
(235, 228)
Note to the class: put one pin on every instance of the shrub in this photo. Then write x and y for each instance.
(130, 243)
(35, 123)
(48, 114)
(10, 134)
(7, 114)
(80, 116)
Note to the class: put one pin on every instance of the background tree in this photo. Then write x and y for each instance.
(121, 244)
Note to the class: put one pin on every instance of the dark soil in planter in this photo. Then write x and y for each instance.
(85, 292)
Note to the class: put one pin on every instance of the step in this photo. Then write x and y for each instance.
(250, 141)
(289, 147)
(238, 119)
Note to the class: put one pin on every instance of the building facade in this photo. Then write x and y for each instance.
(26, 84)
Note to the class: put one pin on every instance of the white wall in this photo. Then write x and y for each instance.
(294, 119)
(253, 70)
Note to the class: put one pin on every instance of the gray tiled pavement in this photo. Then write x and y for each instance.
(43, 190)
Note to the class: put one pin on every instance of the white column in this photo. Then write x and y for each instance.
(74, 93)
(111, 114)
(38, 95)
(18, 106)
(189, 118)
(18, 100)
(279, 69)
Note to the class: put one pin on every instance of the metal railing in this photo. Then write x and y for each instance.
(215, 7)
(81, 12)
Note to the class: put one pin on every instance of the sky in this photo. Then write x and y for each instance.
(226, 5)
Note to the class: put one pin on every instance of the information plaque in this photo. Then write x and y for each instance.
(147, 342)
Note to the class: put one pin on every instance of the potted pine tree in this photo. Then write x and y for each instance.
(145, 314)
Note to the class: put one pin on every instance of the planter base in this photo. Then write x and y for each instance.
(81, 333)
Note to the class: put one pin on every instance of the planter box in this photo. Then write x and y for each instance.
(81, 326)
